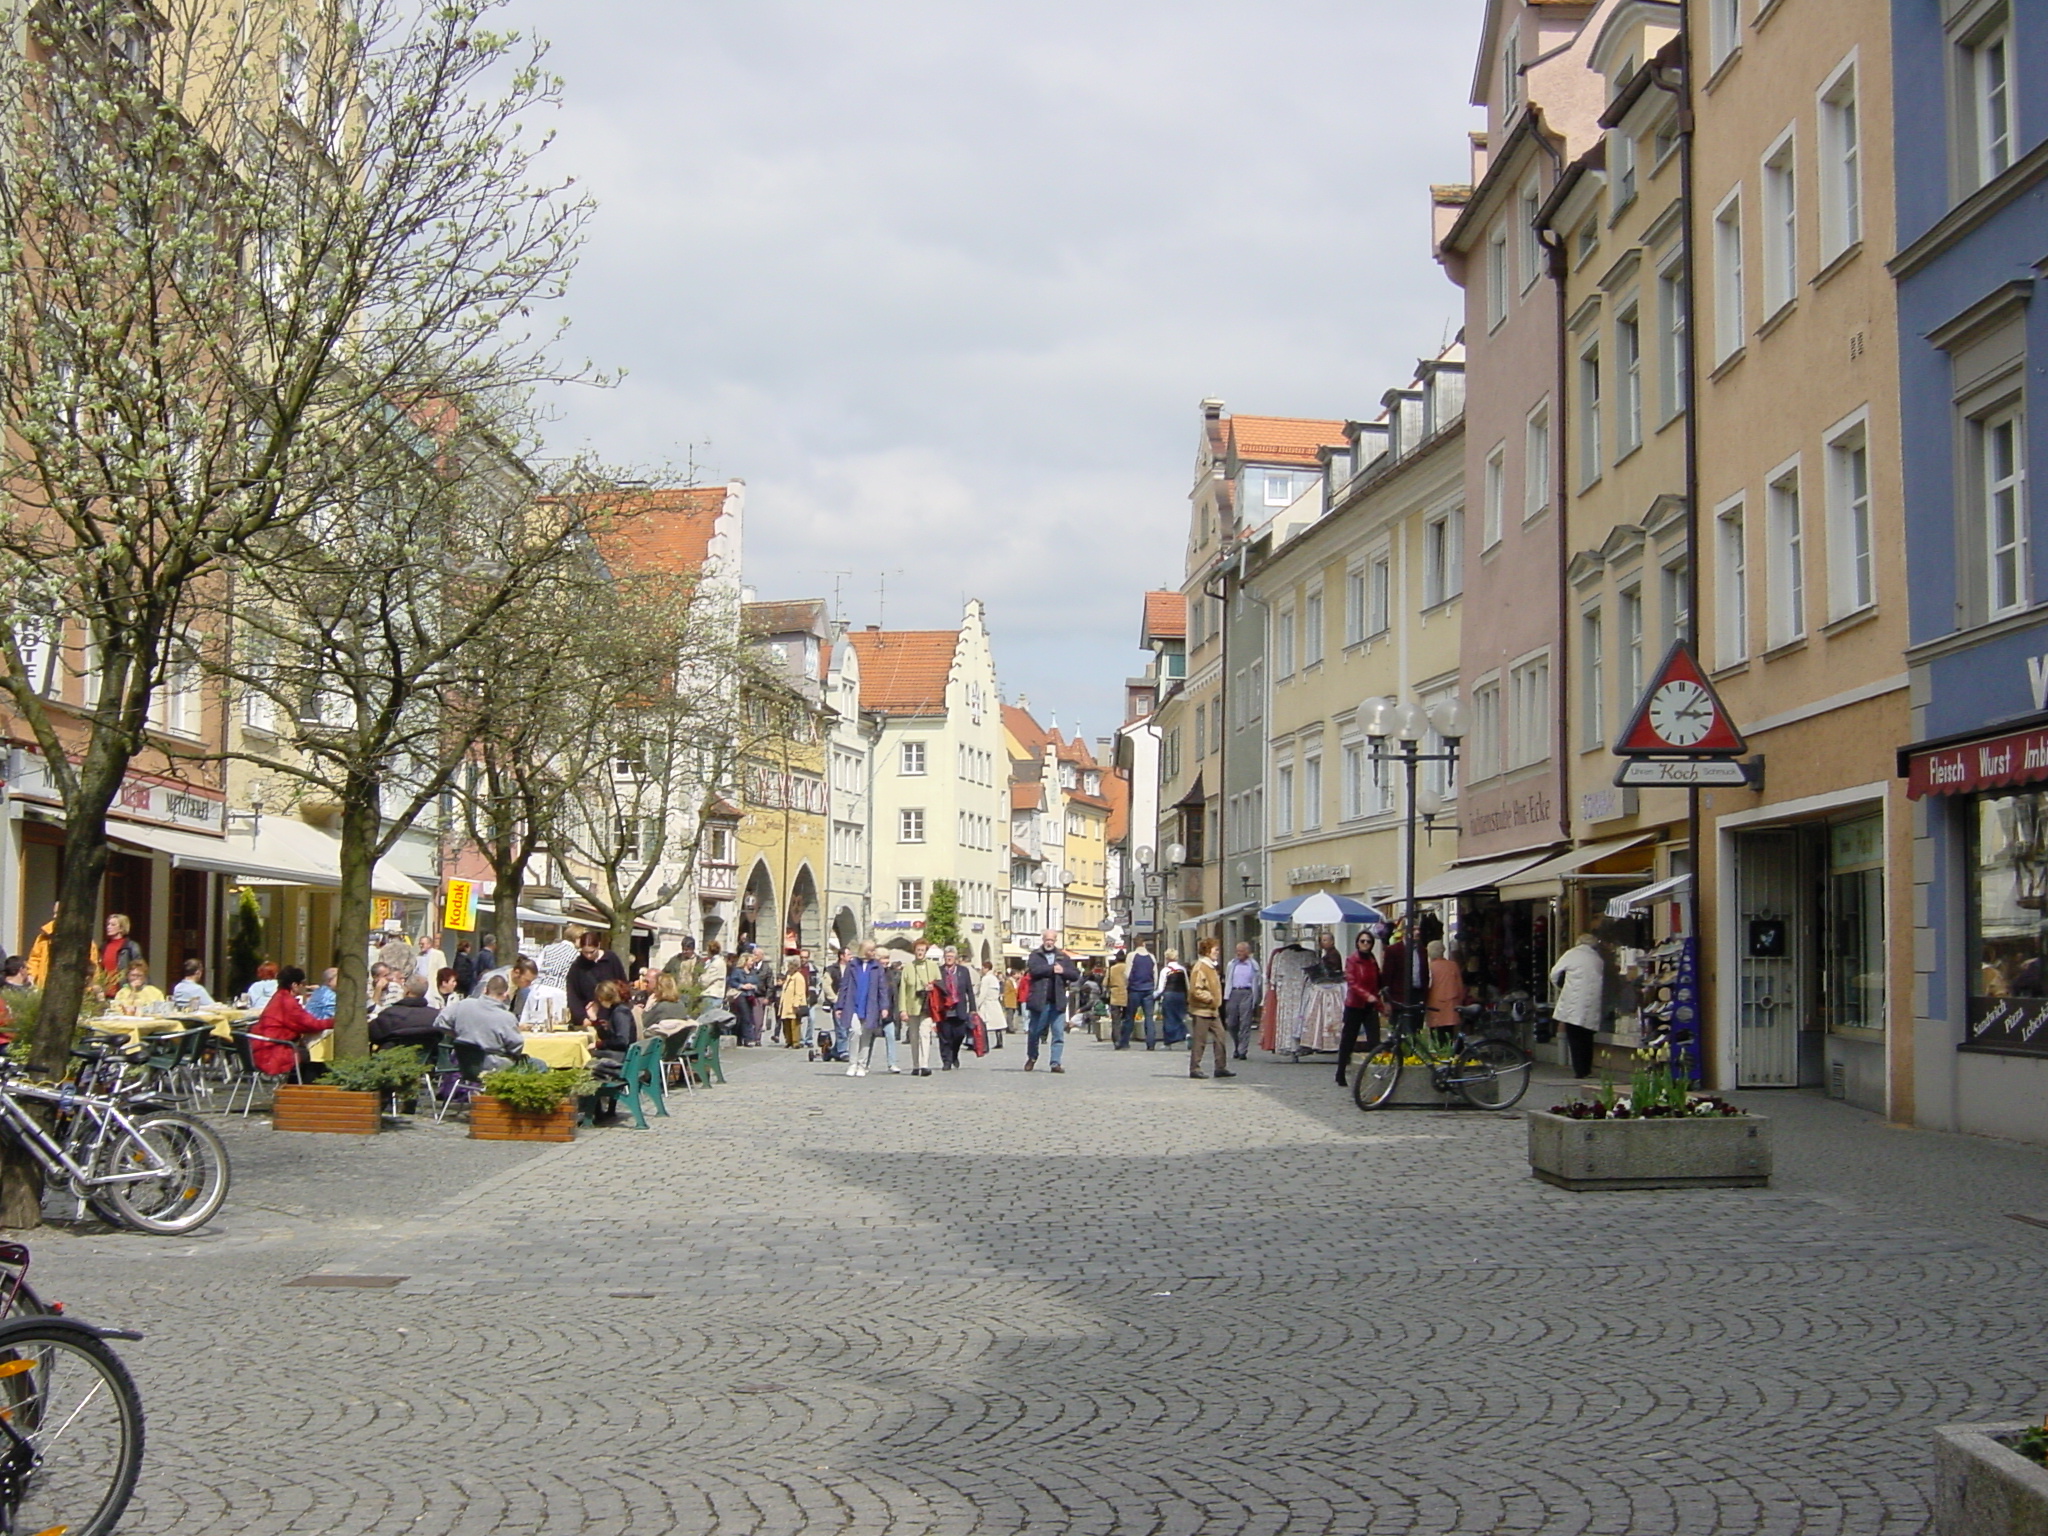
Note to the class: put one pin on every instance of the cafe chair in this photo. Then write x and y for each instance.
(248, 1075)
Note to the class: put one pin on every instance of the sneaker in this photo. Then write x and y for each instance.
(860, 1071)
(854, 1070)
(897, 1070)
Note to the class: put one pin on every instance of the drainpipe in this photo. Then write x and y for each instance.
(1558, 264)
(1221, 715)
(1258, 832)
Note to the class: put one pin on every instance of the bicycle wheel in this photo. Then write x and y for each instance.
(186, 1194)
(1377, 1075)
(71, 1431)
(1491, 1074)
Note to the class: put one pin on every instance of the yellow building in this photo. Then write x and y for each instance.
(784, 805)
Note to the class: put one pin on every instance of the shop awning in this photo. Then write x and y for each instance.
(1540, 879)
(1219, 914)
(1648, 895)
(1475, 877)
(281, 852)
(1994, 762)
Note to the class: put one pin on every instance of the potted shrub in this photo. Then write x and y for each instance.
(1661, 1135)
(1990, 1479)
(519, 1104)
(349, 1100)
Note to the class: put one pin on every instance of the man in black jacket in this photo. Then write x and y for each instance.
(412, 1020)
(594, 964)
(1051, 971)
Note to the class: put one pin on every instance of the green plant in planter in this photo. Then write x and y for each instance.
(536, 1093)
(2033, 1442)
(394, 1071)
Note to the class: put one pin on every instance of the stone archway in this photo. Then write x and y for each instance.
(846, 932)
(804, 913)
(759, 912)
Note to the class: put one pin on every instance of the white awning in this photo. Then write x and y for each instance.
(281, 851)
(1474, 877)
(1551, 870)
(1219, 914)
(1647, 895)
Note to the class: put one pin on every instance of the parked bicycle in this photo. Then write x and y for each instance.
(1486, 1072)
(117, 1148)
(70, 1417)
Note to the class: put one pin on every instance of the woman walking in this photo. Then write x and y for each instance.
(1173, 999)
(746, 985)
(1580, 976)
(1205, 1003)
(867, 1007)
(988, 1002)
(1446, 987)
(1361, 1006)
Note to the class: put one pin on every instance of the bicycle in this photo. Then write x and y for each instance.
(71, 1429)
(1487, 1073)
(118, 1150)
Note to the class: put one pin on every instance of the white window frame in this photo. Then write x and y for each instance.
(1622, 172)
(1840, 136)
(1731, 581)
(1496, 277)
(911, 759)
(1852, 532)
(1724, 32)
(1283, 643)
(1278, 487)
(1529, 249)
(1592, 679)
(1731, 326)
(1674, 622)
(1537, 459)
(2002, 512)
(1592, 460)
(1628, 377)
(1674, 360)
(1988, 133)
(1354, 603)
(910, 895)
(910, 824)
(1379, 592)
(1778, 173)
(1443, 555)
(1494, 496)
(1511, 72)
(1356, 774)
(1312, 792)
(1313, 626)
(1785, 544)
(1486, 743)
(1283, 800)
(1632, 663)
(1530, 709)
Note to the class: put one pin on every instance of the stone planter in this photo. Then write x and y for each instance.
(1414, 1090)
(491, 1121)
(337, 1111)
(1983, 1487)
(1696, 1152)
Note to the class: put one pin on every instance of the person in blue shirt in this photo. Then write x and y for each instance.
(320, 1002)
(190, 992)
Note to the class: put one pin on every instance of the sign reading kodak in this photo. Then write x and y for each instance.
(458, 907)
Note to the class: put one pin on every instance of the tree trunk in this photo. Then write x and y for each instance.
(361, 822)
(21, 1188)
(506, 895)
(71, 943)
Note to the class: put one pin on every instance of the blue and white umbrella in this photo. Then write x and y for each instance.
(1321, 909)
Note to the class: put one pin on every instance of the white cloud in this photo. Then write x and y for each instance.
(943, 280)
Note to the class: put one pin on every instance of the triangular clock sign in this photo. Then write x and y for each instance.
(1680, 715)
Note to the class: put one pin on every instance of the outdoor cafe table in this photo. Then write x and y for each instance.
(566, 1048)
(135, 1026)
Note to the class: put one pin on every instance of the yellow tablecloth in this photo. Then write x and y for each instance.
(136, 1028)
(569, 1049)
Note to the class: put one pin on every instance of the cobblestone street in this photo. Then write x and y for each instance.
(1113, 1301)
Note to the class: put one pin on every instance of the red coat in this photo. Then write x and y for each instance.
(284, 1019)
(1361, 980)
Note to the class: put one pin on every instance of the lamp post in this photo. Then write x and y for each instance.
(1384, 718)
(1142, 858)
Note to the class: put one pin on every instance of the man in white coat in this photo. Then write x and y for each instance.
(1580, 976)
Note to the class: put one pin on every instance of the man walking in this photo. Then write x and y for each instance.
(1205, 1001)
(1141, 979)
(1052, 973)
(865, 1005)
(1241, 996)
(956, 1009)
(1120, 1001)
(914, 983)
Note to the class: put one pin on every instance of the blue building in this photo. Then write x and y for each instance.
(1971, 133)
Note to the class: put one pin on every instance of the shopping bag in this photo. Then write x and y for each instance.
(980, 1037)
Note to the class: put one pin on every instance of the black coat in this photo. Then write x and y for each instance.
(586, 975)
(1051, 975)
(408, 1021)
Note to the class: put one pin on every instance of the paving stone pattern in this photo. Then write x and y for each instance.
(1109, 1301)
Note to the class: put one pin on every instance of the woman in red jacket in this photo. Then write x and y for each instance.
(284, 1021)
(1361, 1004)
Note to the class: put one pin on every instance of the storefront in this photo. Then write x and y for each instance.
(1981, 1038)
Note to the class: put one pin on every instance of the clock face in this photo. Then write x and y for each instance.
(1681, 713)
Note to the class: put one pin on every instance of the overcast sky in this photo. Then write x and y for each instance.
(944, 280)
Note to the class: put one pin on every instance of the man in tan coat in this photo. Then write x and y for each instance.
(1205, 1009)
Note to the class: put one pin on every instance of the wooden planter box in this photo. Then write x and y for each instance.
(338, 1111)
(1983, 1487)
(491, 1121)
(1696, 1152)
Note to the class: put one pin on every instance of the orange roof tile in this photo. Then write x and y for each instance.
(904, 671)
(1031, 736)
(1283, 439)
(658, 532)
(1026, 795)
(804, 615)
(1166, 617)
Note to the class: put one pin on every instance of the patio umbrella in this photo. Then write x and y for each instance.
(1320, 908)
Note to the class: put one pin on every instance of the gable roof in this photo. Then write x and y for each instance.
(1116, 789)
(904, 671)
(1031, 736)
(658, 532)
(1283, 439)
(1166, 617)
(802, 616)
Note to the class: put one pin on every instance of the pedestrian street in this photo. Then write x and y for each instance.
(1110, 1301)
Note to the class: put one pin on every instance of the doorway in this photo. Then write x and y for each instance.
(1779, 1028)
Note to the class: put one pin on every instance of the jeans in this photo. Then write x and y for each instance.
(1143, 1012)
(1173, 1013)
(886, 1033)
(1120, 1019)
(1047, 1018)
(842, 1038)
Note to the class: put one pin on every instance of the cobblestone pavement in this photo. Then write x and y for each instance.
(1110, 1301)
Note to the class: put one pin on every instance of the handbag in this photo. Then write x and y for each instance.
(980, 1036)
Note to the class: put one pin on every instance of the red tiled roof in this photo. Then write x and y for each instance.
(1166, 617)
(1031, 736)
(1283, 439)
(1028, 795)
(904, 671)
(804, 615)
(658, 532)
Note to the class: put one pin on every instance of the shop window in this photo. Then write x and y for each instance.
(1855, 917)
(2008, 900)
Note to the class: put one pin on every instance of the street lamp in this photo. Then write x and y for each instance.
(1146, 891)
(1404, 722)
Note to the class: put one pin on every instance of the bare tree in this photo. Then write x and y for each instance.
(238, 247)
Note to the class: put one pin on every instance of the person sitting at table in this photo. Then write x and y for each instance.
(412, 1020)
(487, 1021)
(137, 994)
(666, 1014)
(386, 987)
(610, 1013)
(447, 987)
(14, 973)
(264, 987)
(520, 981)
(190, 991)
(320, 1003)
(274, 1038)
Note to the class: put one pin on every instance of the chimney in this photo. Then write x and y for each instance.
(1212, 409)
(874, 629)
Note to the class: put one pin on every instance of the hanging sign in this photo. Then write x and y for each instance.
(1680, 715)
(380, 911)
(458, 907)
(1685, 772)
